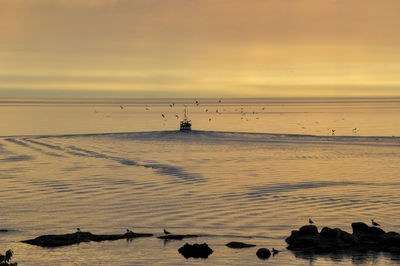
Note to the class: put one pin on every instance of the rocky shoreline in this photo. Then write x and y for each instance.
(306, 240)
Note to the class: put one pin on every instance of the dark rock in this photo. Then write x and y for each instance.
(239, 245)
(359, 228)
(330, 233)
(293, 237)
(176, 237)
(308, 230)
(395, 250)
(3, 230)
(263, 253)
(195, 250)
(362, 228)
(78, 237)
(363, 239)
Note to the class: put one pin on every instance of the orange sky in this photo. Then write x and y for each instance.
(207, 48)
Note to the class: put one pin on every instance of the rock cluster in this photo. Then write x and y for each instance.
(364, 238)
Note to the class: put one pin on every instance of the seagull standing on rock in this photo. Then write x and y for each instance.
(310, 221)
(274, 251)
(166, 232)
(374, 223)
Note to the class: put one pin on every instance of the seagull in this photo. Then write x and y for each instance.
(78, 230)
(128, 231)
(310, 221)
(274, 252)
(166, 232)
(374, 223)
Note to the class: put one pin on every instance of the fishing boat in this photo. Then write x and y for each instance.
(185, 123)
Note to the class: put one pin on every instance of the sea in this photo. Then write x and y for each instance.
(251, 170)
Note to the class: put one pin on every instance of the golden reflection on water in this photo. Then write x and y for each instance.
(227, 186)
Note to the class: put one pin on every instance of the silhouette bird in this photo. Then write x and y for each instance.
(374, 223)
(78, 230)
(166, 232)
(128, 231)
(163, 115)
(274, 251)
(310, 221)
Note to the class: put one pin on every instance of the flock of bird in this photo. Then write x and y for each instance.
(243, 116)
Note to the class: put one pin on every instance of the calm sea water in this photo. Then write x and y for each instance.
(252, 172)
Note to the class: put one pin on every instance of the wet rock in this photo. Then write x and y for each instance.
(263, 253)
(195, 251)
(176, 237)
(78, 237)
(363, 239)
(308, 230)
(239, 245)
(6, 258)
(362, 228)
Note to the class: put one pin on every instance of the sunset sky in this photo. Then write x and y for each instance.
(199, 48)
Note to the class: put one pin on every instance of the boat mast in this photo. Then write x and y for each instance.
(185, 114)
